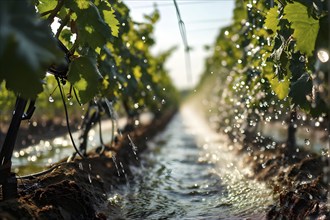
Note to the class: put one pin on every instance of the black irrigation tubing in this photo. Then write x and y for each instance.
(183, 33)
(112, 117)
(75, 94)
(67, 119)
(34, 175)
(101, 137)
(164, 4)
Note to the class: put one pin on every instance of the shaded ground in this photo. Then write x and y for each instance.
(78, 190)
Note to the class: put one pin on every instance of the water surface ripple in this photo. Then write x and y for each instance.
(189, 173)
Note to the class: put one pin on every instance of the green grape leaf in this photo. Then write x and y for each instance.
(319, 106)
(300, 89)
(46, 5)
(27, 48)
(65, 37)
(305, 27)
(77, 5)
(85, 77)
(280, 87)
(92, 29)
(272, 20)
(109, 17)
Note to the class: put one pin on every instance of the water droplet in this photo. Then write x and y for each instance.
(325, 152)
(163, 101)
(128, 76)
(115, 162)
(323, 56)
(307, 142)
(81, 166)
(69, 96)
(302, 59)
(16, 154)
(51, 99)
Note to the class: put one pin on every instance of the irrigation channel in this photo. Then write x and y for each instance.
(189, 172)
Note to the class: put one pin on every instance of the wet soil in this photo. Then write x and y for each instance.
(78, 189)
(297, 178)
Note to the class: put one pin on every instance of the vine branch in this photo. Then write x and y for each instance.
(54, 12)
(63, 23)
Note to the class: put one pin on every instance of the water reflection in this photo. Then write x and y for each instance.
(37, 157)
(188, 173)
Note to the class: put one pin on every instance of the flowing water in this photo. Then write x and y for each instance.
(189, 173)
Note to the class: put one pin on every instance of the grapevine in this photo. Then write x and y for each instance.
(89, 50)
(270, 69)
(271, 52)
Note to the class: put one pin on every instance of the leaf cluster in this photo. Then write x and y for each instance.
(109, 53)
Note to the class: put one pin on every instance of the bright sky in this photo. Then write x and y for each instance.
(203, 20)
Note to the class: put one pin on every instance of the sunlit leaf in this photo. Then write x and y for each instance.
(305, 27)
(109, 17)
(92, 29)
(272, 19)
(280, 87)
(46, 5)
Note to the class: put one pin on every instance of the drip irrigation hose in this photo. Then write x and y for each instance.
(101, 138)
(75, 94)
(183, 33)
(113, 120)
(112, 132)
(34, 175)
(67, 119)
